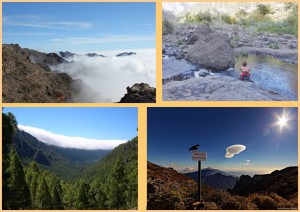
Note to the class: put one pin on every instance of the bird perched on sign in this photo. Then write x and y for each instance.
(194, 147)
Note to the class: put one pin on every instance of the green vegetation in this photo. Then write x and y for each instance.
(113, 185)
(235, 40)
(229, 19)
(259, 19)
(274, 45)
(167, 27)
(201, 17)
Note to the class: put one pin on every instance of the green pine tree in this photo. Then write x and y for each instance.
(82, 200)
(18, 188)
(9, 125)
(98, 196)
(117, 187)
(43, 198)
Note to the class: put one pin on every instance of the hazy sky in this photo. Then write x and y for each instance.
(79, 26)
(171, 131)
(70, 127)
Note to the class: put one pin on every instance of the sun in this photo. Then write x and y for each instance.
(282, 121)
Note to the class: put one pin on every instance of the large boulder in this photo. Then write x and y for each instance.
(201, 30)
(211, 50)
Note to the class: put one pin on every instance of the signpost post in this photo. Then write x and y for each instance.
(199, 156)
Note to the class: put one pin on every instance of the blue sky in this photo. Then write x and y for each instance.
(96, 123)
(79, 26)
(171, 131)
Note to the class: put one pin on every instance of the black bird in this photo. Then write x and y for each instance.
(194, 147)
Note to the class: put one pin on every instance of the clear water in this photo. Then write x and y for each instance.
(267, 71)
(272, 74)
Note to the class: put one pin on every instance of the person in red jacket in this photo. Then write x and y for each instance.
(245, 72)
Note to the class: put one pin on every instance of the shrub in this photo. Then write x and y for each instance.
(264, 202)
(228, 19)
(263, 9)
(231, 204)
(188, 17)
(168, 27)
(274, 45)
(235, 40)
(179, 42)
(203, 16)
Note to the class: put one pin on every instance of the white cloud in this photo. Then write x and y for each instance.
(181, 169)
(68, 141)
(38, 22)
(109, 76)
(234, 150)
(246, 163)
(104, 39)
(28, 34)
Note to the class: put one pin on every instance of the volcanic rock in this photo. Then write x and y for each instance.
(211, 50)
(139, 93)
(125, 54)
(27, 77)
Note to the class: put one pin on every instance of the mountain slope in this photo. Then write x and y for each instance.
(214, 178)
(169, 190)
(126, 152)
(27, 76)
(283, 182)
(65, 163)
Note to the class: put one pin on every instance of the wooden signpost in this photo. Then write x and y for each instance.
(199, 156)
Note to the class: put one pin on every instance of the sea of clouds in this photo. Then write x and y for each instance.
(63, 141)
(107, 77)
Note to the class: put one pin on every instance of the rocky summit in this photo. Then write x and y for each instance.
(125, 54)
(210, 50)
(27, 76)
(139, 93)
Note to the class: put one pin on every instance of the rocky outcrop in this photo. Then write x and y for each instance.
(26, 76)
(67, 54)
(283, 182)
(211, 50)
(216, 88)
(139, 93)
(125, 54)
(94, 55)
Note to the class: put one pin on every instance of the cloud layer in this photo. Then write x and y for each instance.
(70, 142)
(108, 77)
(234, 150)
(180, 168)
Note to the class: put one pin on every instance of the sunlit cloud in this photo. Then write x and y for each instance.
(234, 150)
(246, 163)
(180, 168)
(69, 141)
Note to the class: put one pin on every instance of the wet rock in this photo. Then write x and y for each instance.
(214, 88)
(139, 93)
(212, 51)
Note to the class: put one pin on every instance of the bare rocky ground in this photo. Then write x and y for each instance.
(212, 88)
(191, 39)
